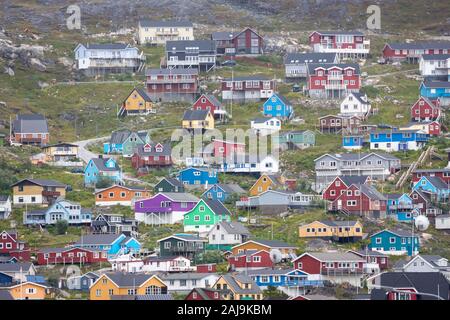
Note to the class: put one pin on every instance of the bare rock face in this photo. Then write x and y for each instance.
(9, 71)
(37, 64)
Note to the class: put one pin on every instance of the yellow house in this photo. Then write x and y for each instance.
(158, 32)
(60, 152)
(197, 119)
(238, 287)
(266, 182)
(335, 230)
(137, 102)
(126, 284)
(267, 245)
(37, 191)
(30, 291)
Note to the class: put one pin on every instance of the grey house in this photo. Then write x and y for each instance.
(378, 166)
(296, 64)
(199, 54)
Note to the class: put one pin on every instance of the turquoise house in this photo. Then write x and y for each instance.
(395, 242)
(222, 192)
(112, 244)
(282, 278)
(102, 168)
(125, 142)
(400, 206)
(297, 139)
(434, 186)
(278, 106)
(436, 90)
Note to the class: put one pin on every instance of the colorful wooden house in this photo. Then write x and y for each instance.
(278, 106)
(164, 208)
(287, 250)
(424, 203)
(211, 103)
(125, 142)
(395, 242)
(149, 155)
(197, 177)
(412, 51)
(341, 231)
(250, 260)
(245, 42)
(19, 271)
(79, 256)
(137, 103)
(120, 195)
(398, 140)
(432, 128)
(238, 287)
(434, 90)
(438, 189)
(203, 294)
(297, 139)
(30, 129)
(206, 213)
(373, 257)
(425, 110)
(341, 183)
(267, 182)
(109, 285)
(168, 184)
(224, 148)
(197, 120)
(102, 168)
(59, 153)
(62, 209)
(30, 291)
(12, 247)
(346, 44)
(5, 206)
(401, 206)
(352, 142)
(223, 191)
(111, 244)
(37, 191)
(349, 124)
(225, 234)
(186, 245)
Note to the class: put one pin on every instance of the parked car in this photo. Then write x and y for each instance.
(229, 63)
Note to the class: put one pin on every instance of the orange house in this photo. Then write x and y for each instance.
(137, 102)
(120, 195)
(126, 284)
(30, 291)
(267, 245)
(267, 182)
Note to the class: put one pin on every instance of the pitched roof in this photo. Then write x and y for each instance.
(332, 32)
(147, 23)
(269, 271)
(358, 156)
(435, 56)
(248, 78)
(231, 281)
(398, 232)
(100, 163)
(185, 237)
(223, 35)
(283, 99)
(182, 45)
(331, 223)
(180, 196)
(234, 227)
(166, 151)
(349, 180)
(313, 66)
(273, 243)
(5, 295)
(217, 207)
(230, 188)
(212, 98)
(309, 57)
(361, 97)
(173, 181)
(437, 182)
(203, 292)
(15, 267)
(124, 280)
(143, 94)
(4, 197)
(97, 239)
(43, 183)
(420, 45)
(195, 115)
(119, 136)
(176, 71)
(335, 256)
(30, 123)
(370, 191)
(184, 276)
(107, 46)
(436, 84)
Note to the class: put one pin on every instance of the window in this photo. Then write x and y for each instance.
(378, 240)
(98, 292)
(256, 258)
(392, 240)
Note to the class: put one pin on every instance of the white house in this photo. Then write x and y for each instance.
(251, 164)
(185, 282)
(296, 64)
(18, 271)
(158, 32)
(424, 263)
(355, 104)
(96, 59)
(266, 126)
(126, 263)
(435, 66)
(5, 207)
(228, 233)
(443, 222)
(167, 264)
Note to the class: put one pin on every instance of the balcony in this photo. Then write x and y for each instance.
(169, 81)
(342, 272)
(167, 33)
(335, 86)
(48, 193)
(332, 76)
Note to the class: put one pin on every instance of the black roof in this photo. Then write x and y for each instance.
(195, 114)
(181, 45)
(309, 57)
(420, 45)
(217, 207)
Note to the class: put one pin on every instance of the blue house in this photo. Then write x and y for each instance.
(125, 142)
(62, 209)
(112, 244)
(106, 168)
(395, 242)
(434, 186)
(400, 206)
(282, 278)
(196, 176)
(436, 90)
(278, 106)
(222, 191)
(83, 282)
(5, 279)
(398, 140)
(352, 142)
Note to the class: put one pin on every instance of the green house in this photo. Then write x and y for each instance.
(169, 185)
(205, 215)
(299, 139)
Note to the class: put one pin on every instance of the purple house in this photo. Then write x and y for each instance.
(164, 208)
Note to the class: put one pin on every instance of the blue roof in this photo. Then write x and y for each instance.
(36, 279)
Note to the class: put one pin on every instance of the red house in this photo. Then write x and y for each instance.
(247, 89)
(340, 184)
(250, 260)
(227, 148)
(245, 42)
(362, 200)
(203, 294)
(373, 257)
(332, 80)
(206, 268)
(335, 123)
(425, 110)
(414, 50)
(424, 203)
(443, 174)
(70, 255)
(11, 246)
(327, 263)
(152, 155)
(347, 44)
(211, 103)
